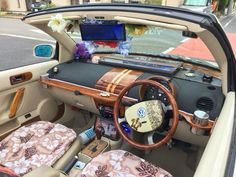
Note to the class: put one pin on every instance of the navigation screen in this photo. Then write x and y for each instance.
(103, 32)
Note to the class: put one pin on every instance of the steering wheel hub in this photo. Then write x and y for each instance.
(145, 116)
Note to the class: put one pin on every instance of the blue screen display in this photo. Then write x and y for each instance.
(103, 32)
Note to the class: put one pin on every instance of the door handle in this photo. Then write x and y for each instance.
(15, 102)
(23, 77)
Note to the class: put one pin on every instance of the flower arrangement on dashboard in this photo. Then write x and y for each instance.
(111, 44)
(84, 50)
(136, 30)
(125, 46)
(58, 23)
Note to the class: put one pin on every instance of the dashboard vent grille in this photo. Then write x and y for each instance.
(205, 104)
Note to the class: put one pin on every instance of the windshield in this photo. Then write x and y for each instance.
(195, 2)
(151, 40)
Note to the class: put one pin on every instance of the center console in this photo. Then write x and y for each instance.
(107, 138)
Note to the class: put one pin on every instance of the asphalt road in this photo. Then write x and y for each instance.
(18, 39)
(229, 23)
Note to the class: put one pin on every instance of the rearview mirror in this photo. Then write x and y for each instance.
(44, 51)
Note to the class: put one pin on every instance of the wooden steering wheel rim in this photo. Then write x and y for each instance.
(172, 101)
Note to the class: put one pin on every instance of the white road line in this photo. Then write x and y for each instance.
(227, 24)
(38, 31)
(26, 37)
(184, 40)
(168, 50)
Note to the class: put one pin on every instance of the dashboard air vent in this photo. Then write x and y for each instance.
(205, 104)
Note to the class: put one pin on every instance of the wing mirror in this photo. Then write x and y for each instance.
(44, 51)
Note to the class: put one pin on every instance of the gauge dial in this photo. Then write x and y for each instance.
(153, 93)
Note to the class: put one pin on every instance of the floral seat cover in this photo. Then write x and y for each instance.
(33, 145)
(119, 163)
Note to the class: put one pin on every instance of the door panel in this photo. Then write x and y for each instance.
(20, 101)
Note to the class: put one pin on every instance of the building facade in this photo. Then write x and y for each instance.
(25, 5)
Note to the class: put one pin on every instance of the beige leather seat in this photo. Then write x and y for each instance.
(121, 163)
(40, 143)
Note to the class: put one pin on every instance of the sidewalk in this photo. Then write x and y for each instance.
(12, 15)
(225, 17)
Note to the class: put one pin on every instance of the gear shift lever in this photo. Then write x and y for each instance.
(99, 130)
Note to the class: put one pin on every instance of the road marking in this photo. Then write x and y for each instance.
(26, 37)
(227, 24)
(184, 40)
(168, 50)
(38, 31)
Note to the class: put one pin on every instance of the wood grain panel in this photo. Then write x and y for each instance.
(211, 72)
(95, 148)
(189, 119)
(16, 102)
(19, 78)
(94, 93)
(116, 79)
(110, 100)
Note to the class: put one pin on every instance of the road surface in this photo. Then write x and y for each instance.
(17, 41)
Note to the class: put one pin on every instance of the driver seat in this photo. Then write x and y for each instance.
(122, 163)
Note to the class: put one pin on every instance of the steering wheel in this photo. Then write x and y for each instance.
(145, 116)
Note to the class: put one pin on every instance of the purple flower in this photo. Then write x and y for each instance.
(84, 50)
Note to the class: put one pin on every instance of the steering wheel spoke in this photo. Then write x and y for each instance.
(121, 120)
(154, 137)
(166, 108)
(150, 138)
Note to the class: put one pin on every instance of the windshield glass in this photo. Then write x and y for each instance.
(195, 2)
(151, 40)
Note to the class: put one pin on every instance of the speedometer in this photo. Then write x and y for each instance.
(152, 93)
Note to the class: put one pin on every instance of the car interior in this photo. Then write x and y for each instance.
(138, 114)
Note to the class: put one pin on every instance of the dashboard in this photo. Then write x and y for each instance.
(194, 87)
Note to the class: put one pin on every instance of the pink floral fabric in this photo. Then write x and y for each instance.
(120, 163)
(33, 145)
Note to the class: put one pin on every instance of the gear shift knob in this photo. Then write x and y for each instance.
(99, 130)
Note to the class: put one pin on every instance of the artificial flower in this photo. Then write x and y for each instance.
(125, 46)
(111, 44)
(57, 23)
(136, 30)
(93, 21)
(84, 50)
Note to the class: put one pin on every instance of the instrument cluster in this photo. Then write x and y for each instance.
(153, 93)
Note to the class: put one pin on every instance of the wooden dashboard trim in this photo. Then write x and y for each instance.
(189, 119)
(116, 79)
(110, 100)
(201, 69)
(95, 93)
(16, 102)
(20, 78)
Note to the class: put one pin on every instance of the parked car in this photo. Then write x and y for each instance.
(204, 6)
(126, 89)
(37, 6)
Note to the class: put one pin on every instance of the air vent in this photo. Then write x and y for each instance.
(205, 104)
